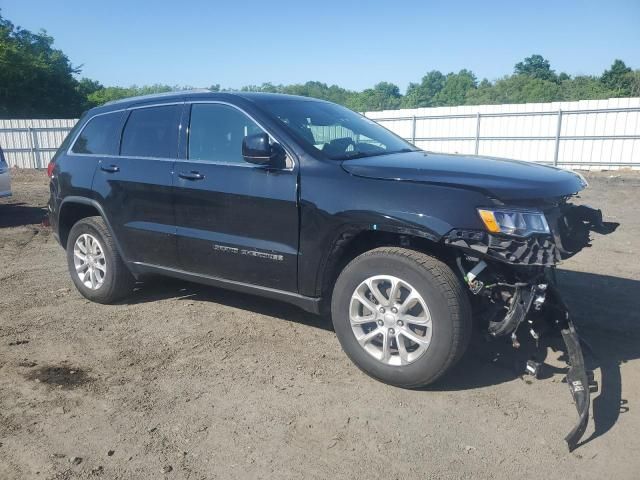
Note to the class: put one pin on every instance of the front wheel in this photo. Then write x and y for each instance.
(401, 316)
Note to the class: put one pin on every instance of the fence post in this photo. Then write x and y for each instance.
(413, 129)
(477, 149)
(557, 146)
(35, 147)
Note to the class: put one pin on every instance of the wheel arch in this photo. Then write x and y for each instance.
(74, 209)
(352, 241)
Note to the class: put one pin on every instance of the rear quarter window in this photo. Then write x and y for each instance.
(152, 132)
(100, 136)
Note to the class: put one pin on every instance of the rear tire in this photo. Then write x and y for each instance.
(415, 337)
(95, 266)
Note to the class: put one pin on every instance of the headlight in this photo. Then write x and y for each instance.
(510, 221)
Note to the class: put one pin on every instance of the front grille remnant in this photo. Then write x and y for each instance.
(570, 225)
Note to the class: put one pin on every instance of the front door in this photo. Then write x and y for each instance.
(234, 220)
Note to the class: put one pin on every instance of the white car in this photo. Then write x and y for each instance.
(5, 177)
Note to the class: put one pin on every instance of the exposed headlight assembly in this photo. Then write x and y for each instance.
(515, 222)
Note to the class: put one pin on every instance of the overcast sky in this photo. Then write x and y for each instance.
(352, 44)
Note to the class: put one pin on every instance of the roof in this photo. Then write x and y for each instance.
(264, 96)
(152, 96)
(251, 96)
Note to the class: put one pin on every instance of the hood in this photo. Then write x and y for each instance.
(499, 178)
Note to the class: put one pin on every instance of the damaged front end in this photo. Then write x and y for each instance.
(512, 280)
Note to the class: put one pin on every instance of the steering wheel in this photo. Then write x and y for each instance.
(338, 146)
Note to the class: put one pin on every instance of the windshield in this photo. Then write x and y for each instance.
(336, 131)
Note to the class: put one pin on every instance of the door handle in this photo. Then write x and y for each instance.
(191, 175)
(110, 168)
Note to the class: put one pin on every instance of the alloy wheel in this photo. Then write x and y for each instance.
(390, 320)
(89, 260)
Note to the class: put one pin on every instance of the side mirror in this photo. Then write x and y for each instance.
(257, 149)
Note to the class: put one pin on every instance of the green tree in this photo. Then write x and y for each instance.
(485, 94)
(634, 83)
(515, 89)
(320, 90)
(584, 87)
(86, 87)
(617, 78)
(36, 79)
(383, 96)
(423, 94)
(457, 86)
(535, 66)
(265, 87)
(108, 94)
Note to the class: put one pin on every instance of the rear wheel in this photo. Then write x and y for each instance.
(402, 316)
(96, 268)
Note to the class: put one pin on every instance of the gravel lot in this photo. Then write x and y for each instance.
(189, 382)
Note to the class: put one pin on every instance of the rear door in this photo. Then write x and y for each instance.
(135, 187)
(235, 220)
(98, 139)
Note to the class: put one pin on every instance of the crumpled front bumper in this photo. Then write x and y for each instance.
(519, 271)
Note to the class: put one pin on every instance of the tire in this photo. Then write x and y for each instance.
(112, 283)
(448, 310)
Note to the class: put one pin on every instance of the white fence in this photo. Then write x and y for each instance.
(589, 134)
(32, 143)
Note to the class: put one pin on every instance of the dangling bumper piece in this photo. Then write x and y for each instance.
(578, 382)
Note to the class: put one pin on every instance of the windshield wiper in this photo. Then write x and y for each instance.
(405, 150)
(353, 154)
(358, 154)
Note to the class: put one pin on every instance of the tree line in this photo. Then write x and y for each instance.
(39, 81)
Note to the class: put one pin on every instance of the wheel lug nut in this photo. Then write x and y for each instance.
(394, 310)
(400, 323)
(392, 331)
(380, 322)
(381, 309)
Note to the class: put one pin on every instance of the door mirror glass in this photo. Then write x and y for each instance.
(257, 149)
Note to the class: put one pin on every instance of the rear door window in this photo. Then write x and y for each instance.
(152, 132)
(100, 136)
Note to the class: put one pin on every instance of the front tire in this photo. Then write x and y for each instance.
(401, 316)
(95, 266)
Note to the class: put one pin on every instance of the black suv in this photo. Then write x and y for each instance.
(308, 202)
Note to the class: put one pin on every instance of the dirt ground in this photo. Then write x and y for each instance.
(189, 382)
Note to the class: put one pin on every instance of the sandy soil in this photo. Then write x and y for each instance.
(189, 382)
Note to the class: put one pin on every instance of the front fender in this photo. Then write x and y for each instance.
(354, 204)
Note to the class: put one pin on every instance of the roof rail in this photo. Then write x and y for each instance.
(158, 95)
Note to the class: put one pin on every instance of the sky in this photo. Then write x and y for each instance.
(352, 44)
